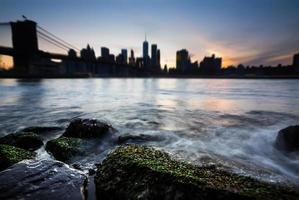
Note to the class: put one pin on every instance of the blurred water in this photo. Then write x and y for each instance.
(232, 122)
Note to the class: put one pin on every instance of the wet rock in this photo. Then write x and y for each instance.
(288, 139)
(87, 128)
(137, 172)
(65, 148)
(77, 166)
(128, 138)
(10, 155)
(42, 129)
(91, 172)
(42, 180)
(25, 140)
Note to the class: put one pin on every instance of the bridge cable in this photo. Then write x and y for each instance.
(52, 39)
(49, 41)
(59, 39)
(53, 43)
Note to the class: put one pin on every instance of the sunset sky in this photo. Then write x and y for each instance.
(251, 32)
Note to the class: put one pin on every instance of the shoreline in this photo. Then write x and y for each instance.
(129, 169)
(150, 77)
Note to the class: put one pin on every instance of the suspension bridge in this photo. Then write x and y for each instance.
(25, 36)
(25, 49)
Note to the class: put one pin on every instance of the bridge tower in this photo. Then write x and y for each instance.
(25, 44)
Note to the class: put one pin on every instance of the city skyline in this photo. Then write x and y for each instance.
(203, 28)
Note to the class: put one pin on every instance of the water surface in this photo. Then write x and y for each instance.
(232, 122)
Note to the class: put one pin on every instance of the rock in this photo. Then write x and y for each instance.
(25, 140)
(128, 138)
(77, 166)
(137, 172)
(44, 179)
(288, 139)
(91, 172)
(65, 148)
(10, 155)
(42, 129)
(87, 128)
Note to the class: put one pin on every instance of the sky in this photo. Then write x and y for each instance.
(251, 32)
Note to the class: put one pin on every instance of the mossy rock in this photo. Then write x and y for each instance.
(10, 155)
(87, 128)
(138, 172)
(65, 148)
(25, 140)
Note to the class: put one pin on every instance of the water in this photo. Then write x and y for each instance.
(203, 121)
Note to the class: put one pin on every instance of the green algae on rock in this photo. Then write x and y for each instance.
(25, 140)
(134, 172)
(65, 148)
(10, 155)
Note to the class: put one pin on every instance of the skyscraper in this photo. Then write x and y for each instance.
(154, 58)
(132, 58)
(182, 60)
(105, 52)
(106, 56)
(158, 59)
(296, 60)
(145, 53)
(88, 54)
(124, 53)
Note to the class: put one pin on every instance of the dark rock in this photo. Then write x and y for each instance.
(42, 129)
(25, 140)
(137, 172)
(42, 180)
(65, 148)
(288, 139)
(128, 138)
(77, 166)
(10, 155)
(87, 128)
(91, 172)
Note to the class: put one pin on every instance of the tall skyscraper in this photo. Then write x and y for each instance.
(158, 59)
(132, 58)
(145, 53)
(154, 58)
(124, 53)
(296, 60)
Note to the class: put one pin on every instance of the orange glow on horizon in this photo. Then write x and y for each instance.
(227, 62)
(6, 62)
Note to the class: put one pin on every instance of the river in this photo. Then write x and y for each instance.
(232, 122)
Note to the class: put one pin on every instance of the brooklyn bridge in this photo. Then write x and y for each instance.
(29, 60)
